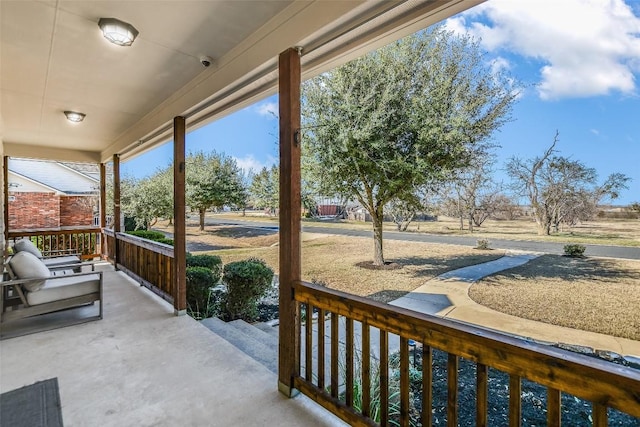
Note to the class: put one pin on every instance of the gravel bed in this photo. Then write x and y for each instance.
(575, 412)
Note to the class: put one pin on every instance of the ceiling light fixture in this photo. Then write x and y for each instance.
(118, 32)
(74, 116)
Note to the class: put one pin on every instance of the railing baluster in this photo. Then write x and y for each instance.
(334, 355)
(515, 400)
(365, 355)
(560, 371)
(427, 380)
(308, 344)
(321, 314)
(452, 390)
(349, 362)
(553, 407)
(482, 394)
(599, 415)
(384, 378)
(404, 382)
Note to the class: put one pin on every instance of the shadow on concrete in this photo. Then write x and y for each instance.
(426, 303)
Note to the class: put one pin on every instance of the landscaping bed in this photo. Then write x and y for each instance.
(575, 412)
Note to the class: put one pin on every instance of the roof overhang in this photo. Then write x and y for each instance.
(54, 59)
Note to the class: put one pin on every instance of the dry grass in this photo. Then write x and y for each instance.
(591, 294)
(332, 259)
(598, 295)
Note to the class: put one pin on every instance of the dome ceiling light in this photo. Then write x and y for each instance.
(117, 31)
(74, 116)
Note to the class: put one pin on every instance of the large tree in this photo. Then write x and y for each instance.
(213, 180)
(380, 127)
(561, 190)
(264, 189)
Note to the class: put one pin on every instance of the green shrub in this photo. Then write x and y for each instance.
(212, 262)
(165, 240)
(247, 281)
(148, 234)
(574, 250)
(199, 284)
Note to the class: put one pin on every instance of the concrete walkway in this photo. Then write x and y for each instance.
(448, 296)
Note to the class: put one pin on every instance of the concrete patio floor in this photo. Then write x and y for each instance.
(143, 366)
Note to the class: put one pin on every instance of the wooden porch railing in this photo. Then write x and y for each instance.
(83, 241)
(338, 373)
(150, 263)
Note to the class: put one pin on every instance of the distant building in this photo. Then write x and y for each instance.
(46, 194)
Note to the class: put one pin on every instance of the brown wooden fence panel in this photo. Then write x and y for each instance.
(84, 242)
(148, 262)
(605, 384)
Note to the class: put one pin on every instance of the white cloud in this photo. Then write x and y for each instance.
(500, 64)
(594, 131)
(269, 109)
(249, 163)
(588, 47)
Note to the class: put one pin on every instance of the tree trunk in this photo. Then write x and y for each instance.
(471, 223)
(378, 257)
(202, 212)
(170, 220)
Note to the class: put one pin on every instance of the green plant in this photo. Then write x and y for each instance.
(148, 234)
(199, 284)
(247, 281)
(374, 394)
(166, 241)
(574, 250)
(482, 244)
(212, 262)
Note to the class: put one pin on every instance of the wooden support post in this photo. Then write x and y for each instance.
(103, 208)
(116, 207)
(179, 218)
(5, 201)
(290, 213)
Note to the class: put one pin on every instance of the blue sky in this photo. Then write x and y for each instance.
(580, 60)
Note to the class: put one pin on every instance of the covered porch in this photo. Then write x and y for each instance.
(141, 365)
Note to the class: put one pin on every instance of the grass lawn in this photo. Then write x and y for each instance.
(600, 295)
(591, 294)
(332, 259)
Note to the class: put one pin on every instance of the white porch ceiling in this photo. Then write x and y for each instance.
(53, 58)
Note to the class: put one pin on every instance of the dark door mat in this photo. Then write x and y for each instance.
(35, 405)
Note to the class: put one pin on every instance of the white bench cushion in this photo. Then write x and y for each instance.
(65, 287)
(61, 260)
(26, 265)
(26, 245)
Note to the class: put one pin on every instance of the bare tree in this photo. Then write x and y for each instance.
(561, 190)
(472, 195)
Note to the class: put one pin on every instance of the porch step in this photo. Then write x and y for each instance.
(257, 334)
(270, 329)
(262, 348)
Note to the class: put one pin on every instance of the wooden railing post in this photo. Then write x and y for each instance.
(5, 211)
(116, 207)
(290, 212)
(179, 217)
(103, 208)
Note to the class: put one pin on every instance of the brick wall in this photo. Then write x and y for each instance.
(34, 210)
(76, 211)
